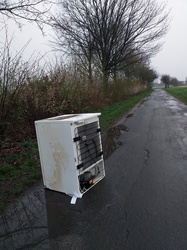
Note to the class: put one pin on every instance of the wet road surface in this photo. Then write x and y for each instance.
(141, 204)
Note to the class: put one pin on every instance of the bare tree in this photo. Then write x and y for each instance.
(70, 35)
(185, 81)
(14, 74)
(112, 32)
(166, 80)
(174, 81)
(33, 11)
(141, 72)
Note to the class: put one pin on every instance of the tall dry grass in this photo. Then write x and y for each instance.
(63, 91)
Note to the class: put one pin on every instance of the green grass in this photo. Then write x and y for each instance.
(179, 92)
(112, 112)
(19, 169)
(22, 159)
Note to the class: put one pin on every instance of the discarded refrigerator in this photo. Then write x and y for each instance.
(70, 152)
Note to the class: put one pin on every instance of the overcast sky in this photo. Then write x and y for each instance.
(172, 59)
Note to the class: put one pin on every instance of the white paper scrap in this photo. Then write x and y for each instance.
(73, 200)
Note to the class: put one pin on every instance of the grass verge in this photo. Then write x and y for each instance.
(179, 92)
(112, 112)
(20, 167)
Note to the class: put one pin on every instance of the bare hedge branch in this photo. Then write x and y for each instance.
(33, 11)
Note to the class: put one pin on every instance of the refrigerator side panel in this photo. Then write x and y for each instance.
(58, 162)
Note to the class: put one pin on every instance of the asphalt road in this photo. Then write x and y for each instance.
(142, 202)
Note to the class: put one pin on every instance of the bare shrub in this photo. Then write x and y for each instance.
(31, 93)
(64, 90)
(13, 74)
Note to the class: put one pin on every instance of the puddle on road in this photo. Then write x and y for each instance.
(110, 139)
(40, 217)
(24, 224)
(173, 104)
(63, 221)
(39, 221)
(129, 115)
(176, 107)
